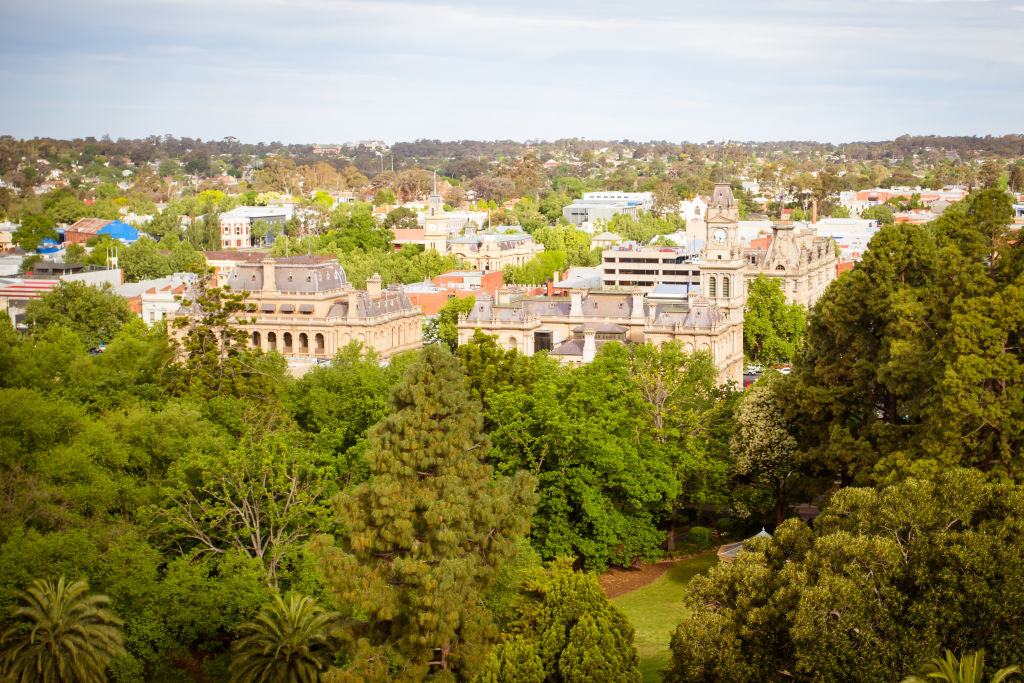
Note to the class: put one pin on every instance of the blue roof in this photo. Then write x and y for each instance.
(120, 231)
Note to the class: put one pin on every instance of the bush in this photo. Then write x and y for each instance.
(701, 536)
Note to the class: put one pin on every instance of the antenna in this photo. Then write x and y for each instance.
(435, 182)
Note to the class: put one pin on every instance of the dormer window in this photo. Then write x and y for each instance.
(289, 278)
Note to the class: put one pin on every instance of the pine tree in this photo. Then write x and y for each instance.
(426, 534)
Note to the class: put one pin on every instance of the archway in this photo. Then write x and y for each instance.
(287, 341)
(318, 343)
(303, 342)
(271, 341)
(256, 339)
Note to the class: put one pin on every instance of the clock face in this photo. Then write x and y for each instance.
(719, 235)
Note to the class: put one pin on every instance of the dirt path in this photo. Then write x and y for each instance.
(616, 581)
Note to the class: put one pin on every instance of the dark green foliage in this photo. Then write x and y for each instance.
(912, 358)
(700, 535)
(565, 623)
(424, 536)
(337, 404)
(886, 580)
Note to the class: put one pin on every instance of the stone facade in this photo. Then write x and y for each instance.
(306, 308)
(489, 251)
(801, 261)
(572, 328)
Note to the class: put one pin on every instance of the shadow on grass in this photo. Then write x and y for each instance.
(656, 609)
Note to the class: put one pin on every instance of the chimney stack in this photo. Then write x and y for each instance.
(576, 306)
(269, 283)
(589, 344)
(373, 284)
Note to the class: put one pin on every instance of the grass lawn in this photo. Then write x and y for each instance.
(656, 609)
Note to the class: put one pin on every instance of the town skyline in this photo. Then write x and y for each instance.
(406, 71)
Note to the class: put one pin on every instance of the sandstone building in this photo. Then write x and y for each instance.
(306, 308)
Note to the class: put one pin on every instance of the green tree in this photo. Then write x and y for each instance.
(74, 253)
(401, 218)
(967, 669)
(384, 197)
(443, 327)
(213, 353)
(565, 623)
(95, 314)
(603, 481)
(263, 500)
(142, 260)
(773, 329)
(424, 536)
(764, 449)
(881, 213)
(61, 634)
(886, 580)
(687, 414)
(33, 230)
(290, 642)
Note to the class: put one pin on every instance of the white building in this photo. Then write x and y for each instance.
(236, 224)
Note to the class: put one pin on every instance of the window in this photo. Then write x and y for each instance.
(712, 286)
(725, 286)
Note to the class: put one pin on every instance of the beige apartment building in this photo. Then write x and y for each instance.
(304, 307)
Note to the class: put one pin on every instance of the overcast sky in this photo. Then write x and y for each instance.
(332, 71)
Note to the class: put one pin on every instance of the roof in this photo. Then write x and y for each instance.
(722, 197)
(306, 274)
(89, 225)
(120, 231)
(606, 236)
(728, 553)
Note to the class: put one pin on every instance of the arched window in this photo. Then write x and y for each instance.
(287, 341)
(303, 342)
(256, 339)
(712, 286)
(725, 286)
(780, 267)
(512, 344)
(271, 341)
(318, 341)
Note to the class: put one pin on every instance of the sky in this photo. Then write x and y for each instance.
(331, 71)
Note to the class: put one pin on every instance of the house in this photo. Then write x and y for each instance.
(236, 225)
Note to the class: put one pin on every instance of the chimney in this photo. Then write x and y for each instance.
(373, 285)
(269, 283)
(353, 307)
(589, 345)
(638, 305)
(814, 211)
(576, 307)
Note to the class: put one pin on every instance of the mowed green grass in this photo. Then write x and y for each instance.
(655, 611)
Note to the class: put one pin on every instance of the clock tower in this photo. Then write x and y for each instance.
(721, 271)
(435, 223)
